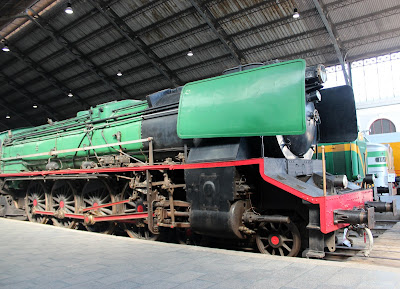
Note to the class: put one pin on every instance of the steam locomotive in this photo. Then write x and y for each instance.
(227, 157)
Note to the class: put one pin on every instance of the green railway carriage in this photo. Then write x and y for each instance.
(346, 158)
(360, 158)
(381, 165)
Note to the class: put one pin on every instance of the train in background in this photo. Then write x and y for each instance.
(363, 161)
(227, 157)
(392, 139)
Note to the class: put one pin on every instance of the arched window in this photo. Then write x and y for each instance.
(382, 125)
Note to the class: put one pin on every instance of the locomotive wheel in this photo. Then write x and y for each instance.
(278, 239)
(139, 230)
(36, 198)
(136, 228)
(63, 198)
(96, 193)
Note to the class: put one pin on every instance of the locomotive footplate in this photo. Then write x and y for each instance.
(297, 178)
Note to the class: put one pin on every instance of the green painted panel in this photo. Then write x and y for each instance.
(378, 154)
(377, 166)
(345, 158)
(62, 136)
(268, 100)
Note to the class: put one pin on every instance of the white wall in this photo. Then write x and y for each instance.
(366, 116)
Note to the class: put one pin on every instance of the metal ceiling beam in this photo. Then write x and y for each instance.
(141, 68)
(324, 50)
(5, 127)
(13, 111)
(376, 37)
(285, 41)
(333, 35)
(77, 54)
(261, 5)
(135, 40)
(21, 15)
(30, 97)
(307, 13)
(226, 18)
(340, 4)
(218, 30)
(45, 75)
(270, 25)
(213, 43)
(368, 55)
(264, 46)
(83, 18)
(155, 79)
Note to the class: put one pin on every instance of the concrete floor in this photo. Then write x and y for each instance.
(43, 256)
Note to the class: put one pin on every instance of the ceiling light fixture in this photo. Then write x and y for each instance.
(190, 52)
(119, 73)
(70, 94)
(34, 105)
(5, 48)
(69, 10)
(8, 116)
(296, 13)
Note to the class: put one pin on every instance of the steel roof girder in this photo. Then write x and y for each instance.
(21, 115)
(6, 127)
(389, 34)
(217, 29)
(369, 17)
(135, 40)
(341, 3)
(334, 38)
(45, 75)
(44, 25)
(28, 95)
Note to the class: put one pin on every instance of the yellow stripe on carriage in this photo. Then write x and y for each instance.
(345, 148)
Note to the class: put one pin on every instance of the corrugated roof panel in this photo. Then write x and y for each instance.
(147, 87)
(199, 56)
(369, 49)
(37, 86)
(369, 28)
(359, 8)
(56, 62)
(156, 12)
(34, 37)
(183, 43)
(163, 32)
(98, 22)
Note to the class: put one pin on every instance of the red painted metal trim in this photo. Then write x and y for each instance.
(121, 217)
(141, 168)
(105, 205)
(72, 216)
(75, 216)
(100, 218)
(326, 204)
(44, 213)
(347, 201)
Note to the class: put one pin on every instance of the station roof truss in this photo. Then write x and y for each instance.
(62, 63)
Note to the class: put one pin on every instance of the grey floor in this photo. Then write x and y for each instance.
(42, 256)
